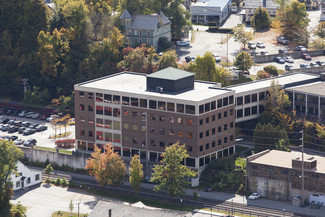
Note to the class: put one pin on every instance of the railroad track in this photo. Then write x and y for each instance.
(226, 206)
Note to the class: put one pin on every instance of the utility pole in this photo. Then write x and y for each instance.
(25, 83)
(78, 208)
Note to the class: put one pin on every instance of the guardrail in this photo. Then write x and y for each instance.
(295, 55)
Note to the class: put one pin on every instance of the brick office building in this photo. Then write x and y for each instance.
(277, 174)
(166, 106)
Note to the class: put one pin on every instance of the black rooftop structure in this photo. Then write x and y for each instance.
(170, 80)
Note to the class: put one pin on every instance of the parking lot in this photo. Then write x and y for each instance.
(41, 137)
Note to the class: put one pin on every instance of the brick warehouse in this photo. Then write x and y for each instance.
(166, 106)
(277, 174)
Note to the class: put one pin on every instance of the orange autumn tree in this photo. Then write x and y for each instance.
(108, 167)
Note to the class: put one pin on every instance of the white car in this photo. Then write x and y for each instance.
(289, 59)
(260, 44)
(183, 43)
(254, 196)
(217, 57)
(22, 114)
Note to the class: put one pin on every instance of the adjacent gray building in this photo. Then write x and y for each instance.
(145, 29)
(251, 6)
(210, 11)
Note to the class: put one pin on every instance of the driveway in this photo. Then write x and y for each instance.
(43, 201)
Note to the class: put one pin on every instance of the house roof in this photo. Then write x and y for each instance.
(126, 15)
(148, 21)
(260, 3)
(284, 159)
(170, 73)
(208, 7)
(211, 3)
(315, 88)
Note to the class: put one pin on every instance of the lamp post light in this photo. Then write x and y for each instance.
(211, 210)
(284, 212)
(232, 206)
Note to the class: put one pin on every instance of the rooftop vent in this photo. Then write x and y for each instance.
(159, 89)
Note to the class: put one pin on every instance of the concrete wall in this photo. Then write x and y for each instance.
(295, 55)
(76, 160)
(270, 188)
(316, 70)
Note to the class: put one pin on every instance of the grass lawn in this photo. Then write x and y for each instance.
(60, 135)
(45, 148)
(68, 214)
(65, 152)
(224, 212)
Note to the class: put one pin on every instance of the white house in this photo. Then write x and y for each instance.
(25, 177)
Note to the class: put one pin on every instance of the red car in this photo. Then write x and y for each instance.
(306, 56)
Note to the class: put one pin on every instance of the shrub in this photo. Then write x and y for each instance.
(65, 143)
(57, 181)
(261, 74)
(64, 182)
(47, 180)
(272, 70)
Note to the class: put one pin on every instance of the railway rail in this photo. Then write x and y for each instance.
(210, 204)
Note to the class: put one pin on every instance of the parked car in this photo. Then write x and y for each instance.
(29, 114)
(280, 60)
(304, 66)
(21, 130)
(260, 45)
(289, 59)
(13, 138)
(22, 114)
(35, 116)
(217, 58)
(56, 116)
(254, 196)
(282, 40)
(41, 128)
(251, 45)
(288, 67)
(283, 50)
(301, 48)
(9, 112)
(33, 126)
(25, 124)
(18, 123)
(30, 142)
(71, 121)
(5, 127)
(320, 63)
(183, 43)
(42, 117)
(11, 122)
(4, 120)
(29, 132)
(19, 142)
(15, 112)
(253, 53)
(313, 65)
(263, 53)
(12, 129)
(306, 56)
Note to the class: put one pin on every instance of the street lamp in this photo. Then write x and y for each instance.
(211, 210)
(284, 212)
(232, 206)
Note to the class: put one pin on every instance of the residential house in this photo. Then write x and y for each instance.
(210, 12)
(145, 29)
(25, 177)
(251, 6)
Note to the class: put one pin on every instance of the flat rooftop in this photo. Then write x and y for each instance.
(283, 80)
(284, 159)
(136, 83)
(211, 3)
(315, 88)
(260, 3)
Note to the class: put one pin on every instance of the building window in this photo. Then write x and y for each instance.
(225, 140)
(134, 114)
(213, 118)
(161, 105)
(82, 132)
(162, 118)
(171, 120)
(201, 121)
(239, 100)
(108, 111)
(231, 100)
(148, 33)
(170, 106)
(82, 107)
(225, 114)
(171, 132)
(231, 138)
(213, 105)
(125, 113)
(219, 141)
(99, 123)
(219, 129)
(143, 103)
(213, 131)
(116, 112)
(207, 133)
(126, 126)
(201, 135)
(189, 135)
(219, 103)
(225, 127)
(99, 110)
(116, 99)
(225, 101)
(219, 116)
(108, 124)
(90, 134)
(239, 113)
(180, 120)
(134, 102)
(189, 149)
(207, 120)
(99, 135)
(231, 124)
(189, 122)
(37, 177)
(140, 32)
(213, 144)
(261, 96)
(99, 97)
(201, 147)
(180, 133)
(247, 99)
(81, 94)
(135, 127)
(207, 146)
(190, 109)
(254, 110)
(254, 97)
(90, 95)
(162, 131)
(134, 140)
(18, 184)
(247, 111)
(207, 107)
(90, 108)
(201, 109)
(152, 104)
(180, 108)
(261, 108)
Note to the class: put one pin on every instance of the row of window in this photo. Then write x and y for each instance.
(213, 117)
(251, 98)
(171, 120)
(213, 144)
(249, 111)
(28, 181)
(220, 154)
(213, 130)
(210, 106)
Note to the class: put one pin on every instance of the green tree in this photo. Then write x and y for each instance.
(9, 155)
(277, 100)
(65, 104)
(272, 70)
(134, 61)
(320, 30)
(261, 74)
(136, 173)
(195, 196)
(36, 96)
(168, 59)
(261, 19)
(107, 167)
(243, 61)
(171, 173)
(164, 44)
(282, 145)
(71, 207)
(241, 162)
(48, 170)
(242, 36)
(317, 44)
(206, 67)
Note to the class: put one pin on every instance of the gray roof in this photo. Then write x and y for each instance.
(260, 3)
(148, 21)
(170, 73)
(126, 15)
(316, 88)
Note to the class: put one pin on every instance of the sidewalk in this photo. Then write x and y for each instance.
(265, 203)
